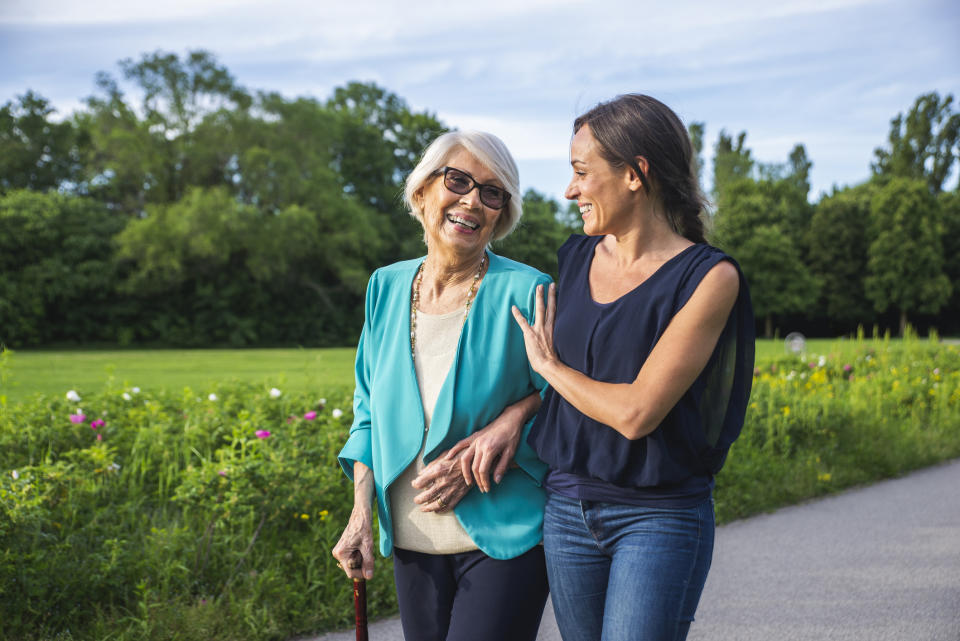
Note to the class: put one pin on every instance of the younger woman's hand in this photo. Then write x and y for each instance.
(538, 338)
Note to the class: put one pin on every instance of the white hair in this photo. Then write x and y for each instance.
(492, 154)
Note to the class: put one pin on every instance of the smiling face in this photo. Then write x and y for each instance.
(602, 191)
(458, 223)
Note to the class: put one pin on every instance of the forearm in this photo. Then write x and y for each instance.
(618, 405)
(363, 490)
(522, 411)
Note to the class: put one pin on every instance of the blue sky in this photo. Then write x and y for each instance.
(827, 74)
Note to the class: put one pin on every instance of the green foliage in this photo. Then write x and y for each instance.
(35, 152)
(924, 144)
(950, 213)
(56, 269)
(753, 224)
(906, 252)
(819, 423)
(731, 162)
(251, 218)
(174, 519)
(838, 242)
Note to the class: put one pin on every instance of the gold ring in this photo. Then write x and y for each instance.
(441, 503)
(339, 566)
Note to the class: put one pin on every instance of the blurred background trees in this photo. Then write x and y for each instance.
(180, 208)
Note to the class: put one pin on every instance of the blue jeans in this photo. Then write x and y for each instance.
(625, 573)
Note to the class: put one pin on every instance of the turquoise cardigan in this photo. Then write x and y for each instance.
(489, 372)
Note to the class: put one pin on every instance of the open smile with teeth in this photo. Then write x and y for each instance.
(585, 209)
(457, 220)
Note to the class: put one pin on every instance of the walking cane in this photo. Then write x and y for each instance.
(359, 597)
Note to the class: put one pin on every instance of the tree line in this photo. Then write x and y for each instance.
(195, 212)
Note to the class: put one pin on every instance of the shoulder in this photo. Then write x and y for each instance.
(578, 242)
(395, 272)
(510, 273)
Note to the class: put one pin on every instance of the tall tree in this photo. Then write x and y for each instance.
(380, 141)
(750, 225)
(905, 257)
(730, 162)
(57, 274)
(950, 211)
(35, 151)
(696, 129)
(155, 157)
(923, 144)
(838, 239)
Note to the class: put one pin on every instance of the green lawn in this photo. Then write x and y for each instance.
(26, 373)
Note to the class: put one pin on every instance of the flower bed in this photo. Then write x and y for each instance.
(129, 514)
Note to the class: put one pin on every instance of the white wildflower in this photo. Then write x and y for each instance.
(336, 413)
(113, 467)
(73, 396)
(126, 396)
(135, 390)
(15, 474)
(822, 361)
(275, 393)
(322, 401)
(212, 397)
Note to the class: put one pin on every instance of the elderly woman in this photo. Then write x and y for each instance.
(443, 391)
(647, 344)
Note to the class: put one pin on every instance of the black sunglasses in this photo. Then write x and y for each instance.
(462, 183)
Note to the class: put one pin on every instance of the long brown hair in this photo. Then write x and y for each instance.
(634, 125)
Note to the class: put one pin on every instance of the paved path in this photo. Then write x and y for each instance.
(878, 563)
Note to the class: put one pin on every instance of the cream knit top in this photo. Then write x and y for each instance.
(429, 532)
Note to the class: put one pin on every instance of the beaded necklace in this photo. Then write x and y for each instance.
(415, 298)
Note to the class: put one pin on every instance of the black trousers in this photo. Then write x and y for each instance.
(470, 596)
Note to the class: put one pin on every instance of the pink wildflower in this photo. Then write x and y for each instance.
(222, 472)
(262, 434)
(847, 367)
(78, 418)
(99, 436)
(97, 424)
(309, 416)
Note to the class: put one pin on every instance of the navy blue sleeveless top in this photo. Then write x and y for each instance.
(673, 466)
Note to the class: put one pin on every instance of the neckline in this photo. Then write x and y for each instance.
(654, 275)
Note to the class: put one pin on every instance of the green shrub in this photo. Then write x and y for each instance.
(175, 520)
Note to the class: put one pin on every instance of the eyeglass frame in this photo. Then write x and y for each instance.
(473, 185)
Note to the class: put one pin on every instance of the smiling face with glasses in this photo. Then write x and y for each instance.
(462, 183)
(462, 205)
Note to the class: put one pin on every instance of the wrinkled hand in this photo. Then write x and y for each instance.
(357, 539)
(442, 483)
(538, 338)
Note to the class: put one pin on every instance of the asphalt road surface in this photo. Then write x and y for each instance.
(877, 563)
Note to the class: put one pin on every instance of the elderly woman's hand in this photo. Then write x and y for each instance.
(472, 460)
(354, 550)
(442, 483)
(538, 338)
(357, 537)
